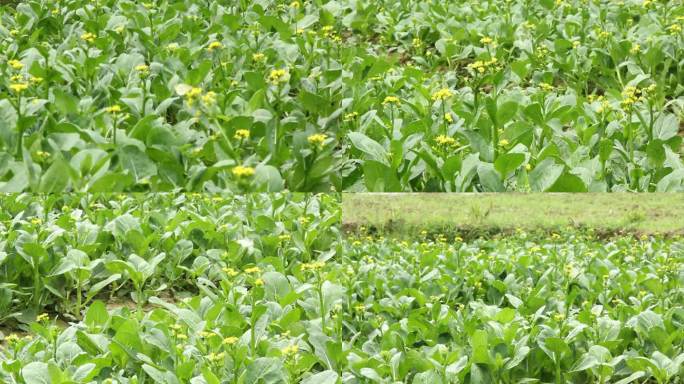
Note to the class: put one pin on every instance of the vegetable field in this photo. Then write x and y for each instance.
(265, 289)
(383, 95)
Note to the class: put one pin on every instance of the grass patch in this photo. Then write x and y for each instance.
(402, 214)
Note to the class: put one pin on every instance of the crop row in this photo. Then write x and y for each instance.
(567, 308)
(60, 252)
(386, 95)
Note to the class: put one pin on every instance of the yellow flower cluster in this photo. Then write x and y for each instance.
(42, 155)
(253, 270)
(329, 32)
(391, 100)
(546, 87)
(442, 94)
(313, 266)
(142, 69)
(630, 95)
(258, 57)
(214, 45)
(290, 350)
(230, 340)
(209, 98)
(216, 357)
(486, 40)
(114, 109)
(481, 66)
(43, 317)
(351, 116)
(243, 171)
(674, 29)
(229, 271)
(446, 141)
(316, 139)
(284, 237)
(88, 37)
(241, 134)
(18, 87)
(277, 76)
(15, 64)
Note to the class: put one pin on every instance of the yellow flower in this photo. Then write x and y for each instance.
(284, 237)
(253, 270)
(546, 87)
(448, 118)
(15, 64)
(242, 171)
(42, 154)
(313, 266)
(36, 79)
(18, 87)
(316, 139)
(444, 140)
(172, 47)
(230, 340)
(576, 44)
(636, 48)
(481, 66)
(290, 350)
(390, 100)
(43, 317)
(486, 40)
(503, 143)
(114, 109)
(674, 29)
(216, 357)
(142, 68)
(230, 272)
(277, 76)
(258, 57)
(209, 98)
(351, 116)
(442, 94)
(295, 4)
(12, 338)
(630, 95)
(528, 167)
(241, 134)
(214, 45)
(559, 317)
(88, 37)
(193, 92)
(259, 282)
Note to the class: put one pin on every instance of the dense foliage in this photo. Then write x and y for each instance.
(565, 308)
(385, 95)
(60, 252)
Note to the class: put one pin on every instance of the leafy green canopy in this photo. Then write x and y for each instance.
(563, 309)
(59, 253)
(383, 95)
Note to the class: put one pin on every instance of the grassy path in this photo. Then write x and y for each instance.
(640, 213)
